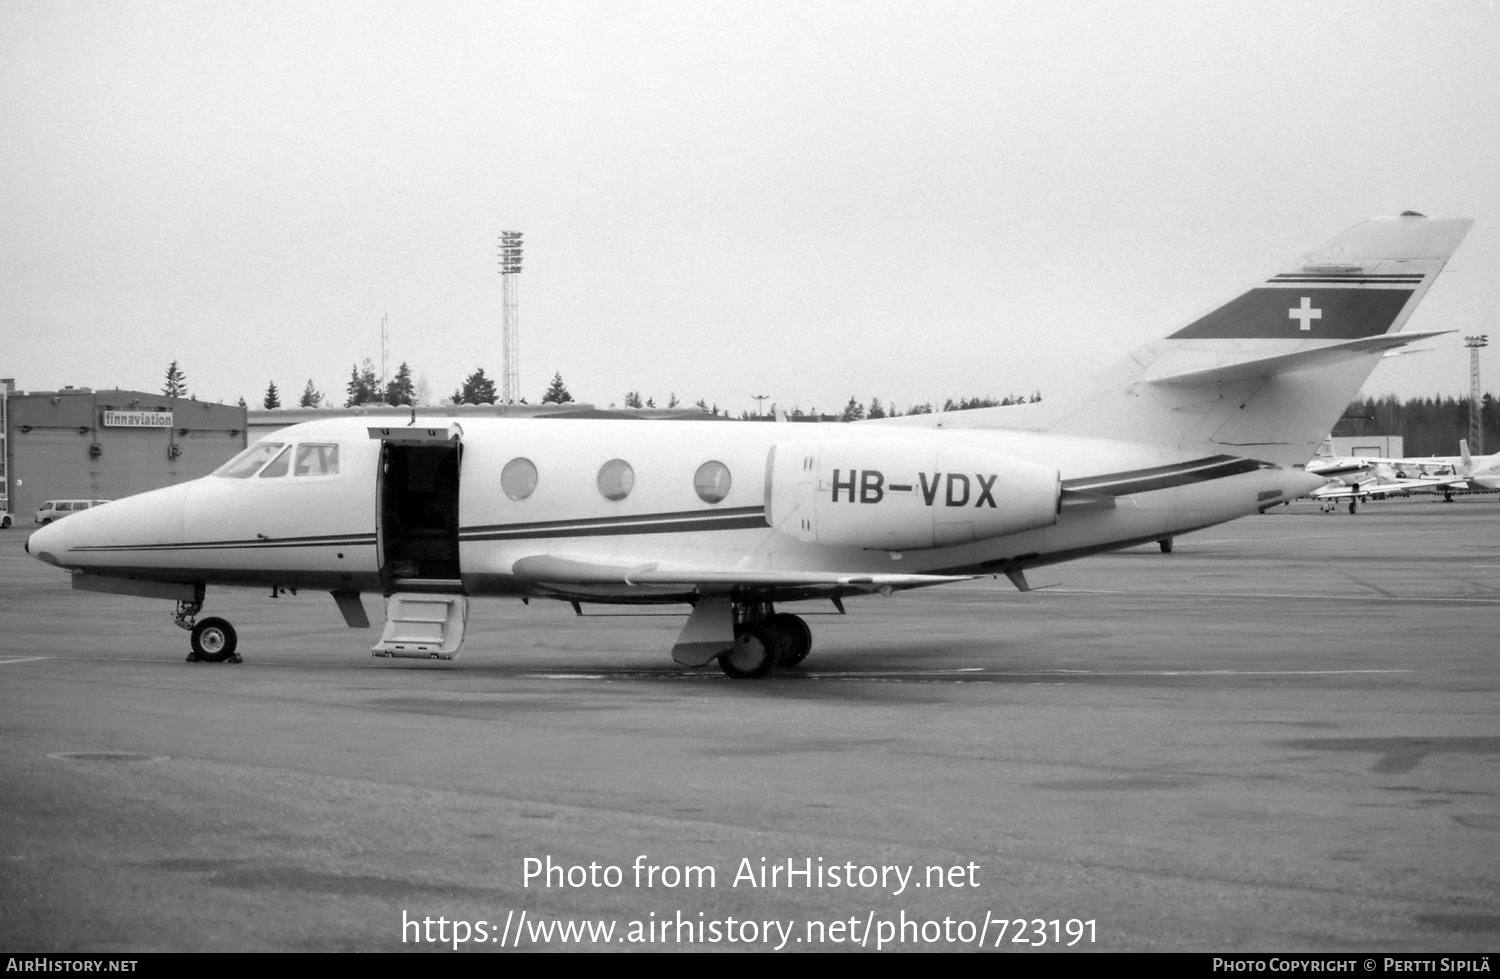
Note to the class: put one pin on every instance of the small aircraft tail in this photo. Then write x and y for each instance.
(1266, 374)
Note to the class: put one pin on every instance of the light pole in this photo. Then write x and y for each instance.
(510, 267)
(759, 400)
(1476, 418)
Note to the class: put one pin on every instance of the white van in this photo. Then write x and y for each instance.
(57, 509)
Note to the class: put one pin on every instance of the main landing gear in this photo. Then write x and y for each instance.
(213, 640)
(764, 640)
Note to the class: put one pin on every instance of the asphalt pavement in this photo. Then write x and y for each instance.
(1281, 737)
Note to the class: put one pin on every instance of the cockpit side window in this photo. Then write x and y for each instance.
(279, 465)
(249, 462)
(315, 459)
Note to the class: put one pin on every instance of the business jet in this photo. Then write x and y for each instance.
(1466, 471)
(1356, 478)
(738, 521)
(1377, 482)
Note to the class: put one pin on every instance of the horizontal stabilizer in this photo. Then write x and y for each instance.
(1299, 360)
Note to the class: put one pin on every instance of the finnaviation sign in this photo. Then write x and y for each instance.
(137, 419)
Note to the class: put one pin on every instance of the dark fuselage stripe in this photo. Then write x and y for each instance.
(739, 518)
(1350, 276)
(337, 540)
(1163, 477)
(1302, 280)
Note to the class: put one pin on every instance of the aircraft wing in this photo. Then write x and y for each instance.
(1388, 488)
(1435, 483)
(546, 569)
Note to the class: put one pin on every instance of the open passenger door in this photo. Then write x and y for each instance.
(416, 501)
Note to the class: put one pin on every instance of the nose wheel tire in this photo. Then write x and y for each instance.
(753, 654)
(214, 640)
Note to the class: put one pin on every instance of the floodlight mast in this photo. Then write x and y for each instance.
(510, 267)
(385, 350)
(1476, 417)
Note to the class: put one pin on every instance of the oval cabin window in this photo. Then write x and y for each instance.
(616, 479)
(518, 479)
(712, 482)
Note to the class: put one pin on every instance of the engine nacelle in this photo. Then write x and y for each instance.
(897, 494)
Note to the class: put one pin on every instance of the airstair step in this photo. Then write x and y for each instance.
(423, 626)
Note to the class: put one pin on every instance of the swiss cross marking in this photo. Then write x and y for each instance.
(1305, 314)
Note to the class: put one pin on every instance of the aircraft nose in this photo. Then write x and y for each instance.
(114, 536)
(49, 544)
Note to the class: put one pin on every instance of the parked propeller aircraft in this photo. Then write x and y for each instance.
(737, 521)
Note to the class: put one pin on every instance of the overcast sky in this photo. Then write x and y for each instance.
(808, 200)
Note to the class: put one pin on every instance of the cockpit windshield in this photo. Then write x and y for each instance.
(274, 459)
(249, 462)
(317, 460)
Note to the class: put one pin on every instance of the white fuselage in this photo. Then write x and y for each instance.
(324, 530)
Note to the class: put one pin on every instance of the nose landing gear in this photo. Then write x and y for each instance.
(213, 640)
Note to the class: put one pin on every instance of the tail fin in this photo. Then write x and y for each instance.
(1267, 374)
(1465, 458)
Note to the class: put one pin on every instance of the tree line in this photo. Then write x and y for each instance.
(364, 388)
(1427, 426)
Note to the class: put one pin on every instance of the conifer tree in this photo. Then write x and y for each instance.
(557, 392)
(364, 386)
(477, 390)
(176, 386)
(400, 390)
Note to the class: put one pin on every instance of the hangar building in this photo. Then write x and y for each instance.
(78, 443)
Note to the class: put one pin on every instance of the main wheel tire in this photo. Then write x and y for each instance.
(214, 640)
(5, 522)
(790, 637)
(753, 654)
